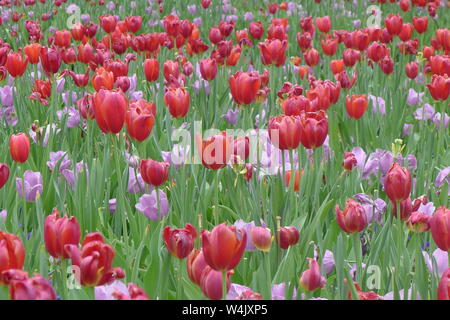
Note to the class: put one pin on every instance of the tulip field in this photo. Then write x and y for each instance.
(224, 149)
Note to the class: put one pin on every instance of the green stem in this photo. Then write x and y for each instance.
(224, 285)
(267, 294)
(358, 255)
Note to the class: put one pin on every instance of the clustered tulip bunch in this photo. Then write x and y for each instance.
(279, 134)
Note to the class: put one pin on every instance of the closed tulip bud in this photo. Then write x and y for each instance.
(420, 24)
(151, 69)
(59, 231)
(418, 222)
(397, 183)
(195, 264)
(440, 228)
(337, 66)
(349, 161)
(180, 242)
(387, 65)
(256, 29)
(323, 24)
(16, 64)
(439, 87)
(215, 36)
(12, 253)
(223, 247)
(394, 23)
(244, 87)
(110, 107)
(405, 209)
(287, 236)
(208, 69)
(50, 60)
(36, 288)
(350, 57)
(312, 279)
(94, 261)
(19, 147)
(4, 174)
(261, 238)
(211, 283)
(353, 219)
(273, 52)
(404, 5)
(311, 57)
(140, 118)
(356, 105)
(153, 172)
(102, 79)
(406, 33)
(108, 23)
(188, 69)
(412, 69)
(298, 175)
(314, 129)
(178, 101)
(216, 151)
(32, 52)
(444, 286)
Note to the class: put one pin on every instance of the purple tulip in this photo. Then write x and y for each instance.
(135, 182)
(414, 98)
(32, 185)
(440, 257)
(3, 215)
(231, 116)
(106, 291)
(112, 205)
(6, 96)
(147, 205)
(59, 157)
(279, 292)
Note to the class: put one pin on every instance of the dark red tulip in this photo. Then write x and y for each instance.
(108, 23)
(397, 183)
(50, 60)
(285, 131)
(12, 253)
(244, 86)
(356, 105)
(412, 69)
(133, 23)
(418, 222)
(80, 80)
(36, 288)
(387, 65)
(294, 105)
(216, 151)
(287, 236)
(376, 51)
(69, 56)
(440, 228)
(312, 278)
(241, 150)
(349, 161)
(19, 147)
(140, 118)
(353, 219)
(226, 28)
(314, 129)
(4, 174)
(153, 172)
(171, 69)
(444, 286)
(311, 57)
(178, 101)
(223, 247)
(256, 29)
(420, 24)
(405, 209)
(110, 107)
(304, 40)
(329, 45)
(406, 33)
(208, 69)
(215, 36)
(180, 242)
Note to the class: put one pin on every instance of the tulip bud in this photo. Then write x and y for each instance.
(312, 279)
(323, 24)
(248, 171)
(211, 283)
(397, 183)
(314, 129)
(195, 264)
(19, 147)
(216, 151)
(412, 69)
(440, 228)
(151, 70)
(110, 108)
(4, 174)
(208, 69)
(178, 101)
(153, 172)
(287, 236)
(353, 219)
(349, 161)
(244, 87)
(285, 131)
(405, 209)
(180, 242)
(356, 105)
(261, 238)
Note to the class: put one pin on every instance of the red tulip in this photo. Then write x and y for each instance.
(19, 147)
(287, 236)
(180, 242)
(404, 5)
(444, 286)
(63, 38)
(349, 161)
(59, 231)
(420, 24)
(439, 87)
(133, 23)
(153, 172)
(312, 279)
(50, 60)
(360, 40)
(178, 101)
(248, 171)
(294, 105)
(412, 69)
(337, 66)
(297, 174)
(223, 247)
(273, 52)
(285, 131)
(32, 52)
(102, 79)
(440, 228)
(108, 23)
(36, 288)
(406, 33)
(140, 118)
(86, 107)
(350, 57)
(370, 295)
(208, 69)
(418, 222)
(323, 24)
(85, 53)
(215, 36)
(376, 51)
(261, 238)
(314, 129)
(394, 23)
(405, 209)
(256, 29)
(356, 105)
(329, 45)
(195, 265)
(211, 283)
(12, 253)
(110, 107)
(353, 219)
(387, 65)
(16, 64)
(244, 87)
(241, 148)
(311, 57)
(4, 174)
(77, 31)
(216, 151)
(304, 40)
(151, 69)
(397, 183)
(186, 28)
(206, 4)
(94, 261)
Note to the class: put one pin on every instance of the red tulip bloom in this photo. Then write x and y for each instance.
(12, 253)
(406, 33)
(133, 23)
(304, 40)
(356, 105)
(151, 69)
(439, 87)
(349, 161)
(16, 64)
(108, 23)
(285, 131)
(59, 231)
(329, 45)
(32, 52)
(337, 66)
(440, 228)
(314, 129)
(241, 150)
(77, 31)
(211, 283)
(444, 286)
(273, 52)
(440, 65)
(94, 261)
(256, 29)
(102, 79)
(153, 172)
(86, 107)
(110, 107)
(312, 279)
(186, 28)
(394, 23)
(195, 265)
(140, 118)
(418, 222)
(387, 65)
(420, 24)
(311, 57)
(178, 101)
(63, 38)
(50, 60)
(19, 147)
(287, 236)
(216, 151)
(223, 247)
(85, 53)
(353, 219)
(350, 57)
(208, 69)
(36, 288)
(294, 105)
(323, 24)
(80, 80)
(171, 69)
(377, 51)
(261, 238)
(244, 87)
(405, 209)
(4, 174)
(180, 242)
(397, 183)
(412, 69)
